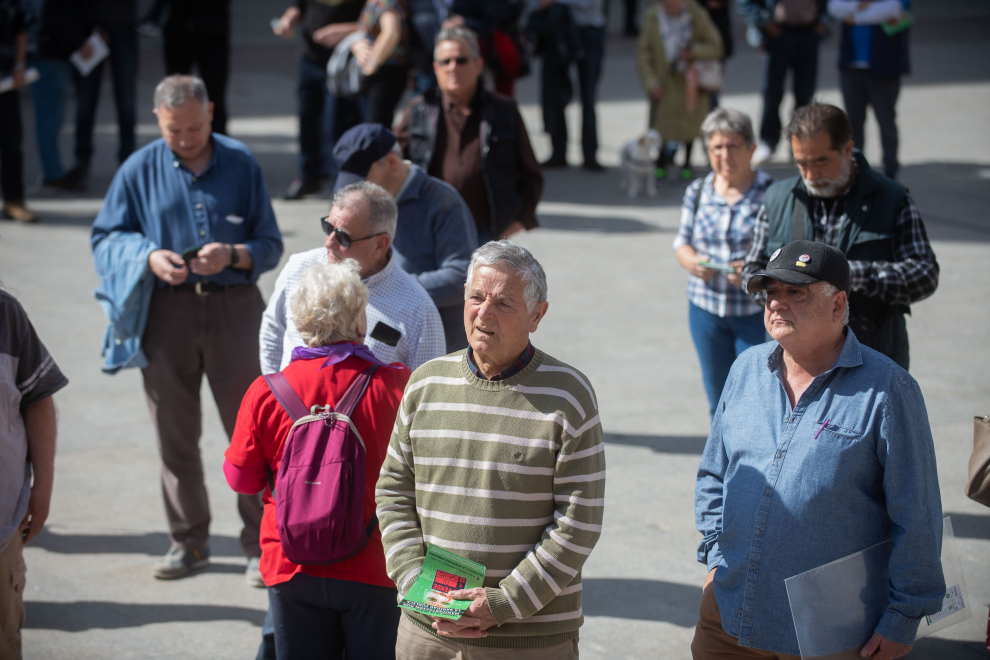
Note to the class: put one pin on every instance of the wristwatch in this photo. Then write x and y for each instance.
(234, 257)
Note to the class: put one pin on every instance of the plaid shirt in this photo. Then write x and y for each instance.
(513, 369)
(723, 233)
(394, 297)
(910, 277)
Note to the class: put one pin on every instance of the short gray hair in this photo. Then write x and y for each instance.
(829, 290)
(382, 211)
(726, 120)
(177, 90)
(328, 302)
(520, 260)
(461, 34)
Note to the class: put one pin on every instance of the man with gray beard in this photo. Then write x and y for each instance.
(840, 201)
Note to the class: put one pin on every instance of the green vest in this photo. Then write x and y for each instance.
(866, 232)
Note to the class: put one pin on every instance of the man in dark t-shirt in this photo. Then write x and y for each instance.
(28, 379)
(322, 117)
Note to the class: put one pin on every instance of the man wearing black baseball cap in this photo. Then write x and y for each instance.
(435, 235)
(819, 447)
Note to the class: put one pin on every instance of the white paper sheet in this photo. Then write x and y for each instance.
(100, 51)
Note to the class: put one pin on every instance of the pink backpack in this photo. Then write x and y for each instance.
(321, 479)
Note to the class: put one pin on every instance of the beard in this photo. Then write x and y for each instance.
(831, 187)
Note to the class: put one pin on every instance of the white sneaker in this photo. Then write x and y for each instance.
(253, 573)
(762, 154)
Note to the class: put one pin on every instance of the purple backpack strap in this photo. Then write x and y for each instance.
(353, 395)
(286, 396)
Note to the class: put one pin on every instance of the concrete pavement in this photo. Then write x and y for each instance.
(617, 312)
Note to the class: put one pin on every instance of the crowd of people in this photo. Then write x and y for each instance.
(412, 323)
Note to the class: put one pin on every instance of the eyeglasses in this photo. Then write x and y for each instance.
(343, 237)
(460, 60)
(730, 148)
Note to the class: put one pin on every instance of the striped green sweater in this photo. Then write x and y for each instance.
(510, 474)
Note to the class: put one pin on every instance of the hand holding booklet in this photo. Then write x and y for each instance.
(443, 572)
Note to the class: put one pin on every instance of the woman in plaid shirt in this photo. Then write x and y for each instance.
(717, 220)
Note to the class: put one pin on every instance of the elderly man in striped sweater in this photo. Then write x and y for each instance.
(497, 455)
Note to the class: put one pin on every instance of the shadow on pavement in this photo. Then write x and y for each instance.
(601, 224)
(87, 615)
(661, 444)
(932, 648)
(969, 526)
(152, 543)
(647, 600)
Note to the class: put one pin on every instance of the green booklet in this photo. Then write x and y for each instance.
(725, 268)
(443, 572)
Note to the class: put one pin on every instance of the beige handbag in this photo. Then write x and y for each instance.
(709, 75)
(978, 486)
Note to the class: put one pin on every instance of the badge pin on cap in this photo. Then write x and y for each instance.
(803, 261)
(775, 254)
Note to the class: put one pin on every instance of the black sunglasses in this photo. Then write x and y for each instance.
(461, 60)
(343, 237)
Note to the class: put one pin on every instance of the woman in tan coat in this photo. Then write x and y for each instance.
(676, 33)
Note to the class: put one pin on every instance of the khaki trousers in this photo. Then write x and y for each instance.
(189, 335)
(414, 643)
(12, 579)
(711, 642)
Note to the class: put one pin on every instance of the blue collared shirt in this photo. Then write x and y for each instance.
(155, 196)
(773, 501)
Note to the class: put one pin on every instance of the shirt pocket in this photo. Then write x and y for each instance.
(839, 433)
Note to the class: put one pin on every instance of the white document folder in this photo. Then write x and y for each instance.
(836, 607)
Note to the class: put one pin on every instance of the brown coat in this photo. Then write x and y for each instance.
(672, 118)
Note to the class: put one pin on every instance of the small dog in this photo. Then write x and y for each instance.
(637, 164)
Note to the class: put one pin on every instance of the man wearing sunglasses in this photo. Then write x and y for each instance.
(403, 324)
(474, 140)
(435, 235)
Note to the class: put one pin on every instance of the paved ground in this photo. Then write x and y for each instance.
(617, 312)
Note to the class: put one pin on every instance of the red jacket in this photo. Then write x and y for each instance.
(256, 448)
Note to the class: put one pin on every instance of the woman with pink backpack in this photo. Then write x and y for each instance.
(313, 438)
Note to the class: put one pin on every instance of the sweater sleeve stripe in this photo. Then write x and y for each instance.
(573, 547)
(550, 559)
(439, 380)
(403, 544)
(485, 437)
(580, 478)
(584, 453)
(528, 589)
(552, 391)
(584, 501)
(543, 573)
(550, 618)
(397, 525)
(515, 610)
(568, 370)
(576, 523)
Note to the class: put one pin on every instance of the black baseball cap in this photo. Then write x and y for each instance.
(802, 263)
(358, 149)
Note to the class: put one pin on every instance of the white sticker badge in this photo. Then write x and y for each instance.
(234, 219)
(775, 254)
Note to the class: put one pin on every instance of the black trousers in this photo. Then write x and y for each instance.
(861, 88)
(796, 49)
(383, 93)
(211, 55)
(556, 92)
(11, 154)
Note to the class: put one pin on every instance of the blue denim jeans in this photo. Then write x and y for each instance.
(322, 119)
(719, 340)
(331, 619)
(123, 59)
(795, 49)
(48, 94)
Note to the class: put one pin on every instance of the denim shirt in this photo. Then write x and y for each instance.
(154, 195)
(773, 500)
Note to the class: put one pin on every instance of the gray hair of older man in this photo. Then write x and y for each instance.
(328, 302)
(726, 120)
(816, 117)
(461, 34)
(828, 290)
(517, 258)
(177, 90)
(383, 214)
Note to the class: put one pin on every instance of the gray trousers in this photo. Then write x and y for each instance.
(189, 335)
(861, 88)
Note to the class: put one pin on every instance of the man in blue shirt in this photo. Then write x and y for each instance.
(435, 235)
(820, 447)
(195, 208)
